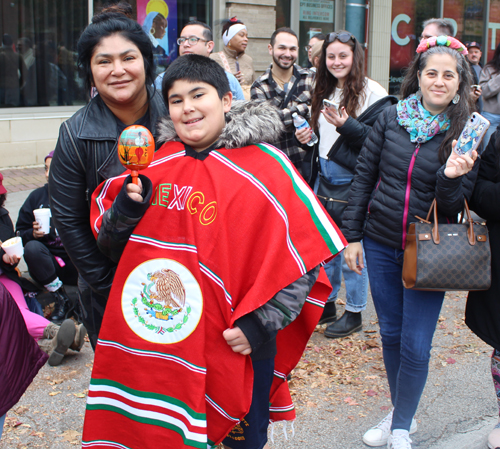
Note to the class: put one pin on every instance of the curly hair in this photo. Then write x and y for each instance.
(456, 113)
(353, 93)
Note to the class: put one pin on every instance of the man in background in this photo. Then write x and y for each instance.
(288, 86)
(436, 27)
(197, 38)
(474, 58)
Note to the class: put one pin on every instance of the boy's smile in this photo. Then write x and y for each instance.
(197, 112)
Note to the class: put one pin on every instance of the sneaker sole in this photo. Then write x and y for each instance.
(65, 338)
(340, 335)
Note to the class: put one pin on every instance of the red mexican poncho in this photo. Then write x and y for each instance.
(221, 236)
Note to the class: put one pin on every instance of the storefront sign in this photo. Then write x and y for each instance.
(316, 11)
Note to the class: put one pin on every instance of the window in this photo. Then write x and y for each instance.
(38, 54)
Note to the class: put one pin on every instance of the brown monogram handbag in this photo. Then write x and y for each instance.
(447, 256)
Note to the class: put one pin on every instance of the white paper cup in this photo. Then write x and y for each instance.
(42, 216)
(14, 246)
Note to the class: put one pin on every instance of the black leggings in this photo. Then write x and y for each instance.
(43, 266)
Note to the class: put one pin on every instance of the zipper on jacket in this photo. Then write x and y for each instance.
(374, 193)
(407, 193)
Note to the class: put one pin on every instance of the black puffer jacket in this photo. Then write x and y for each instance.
(353, 133)
(394, 183)
(86, 155)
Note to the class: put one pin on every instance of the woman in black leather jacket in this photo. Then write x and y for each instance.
(406, 162)
(117, 60)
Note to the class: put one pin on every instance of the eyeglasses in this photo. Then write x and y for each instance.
(343, 37)
(307, 48)
(192, 40)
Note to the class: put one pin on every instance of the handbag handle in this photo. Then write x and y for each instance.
(435, 227)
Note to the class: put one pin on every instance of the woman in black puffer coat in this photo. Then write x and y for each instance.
(482, 313)
(405, 163)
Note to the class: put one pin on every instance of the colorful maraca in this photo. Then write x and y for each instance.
(136, 148)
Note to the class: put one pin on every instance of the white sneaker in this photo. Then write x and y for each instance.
(378, 435)
(399, 439)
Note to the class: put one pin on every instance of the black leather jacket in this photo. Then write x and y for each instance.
(86, 155)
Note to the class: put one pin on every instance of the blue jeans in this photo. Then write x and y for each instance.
(356, 286)
(494, 120)
(2, 420)
(407, 320)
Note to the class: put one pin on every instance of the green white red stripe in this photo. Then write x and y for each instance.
(149, 408)
(329, 233)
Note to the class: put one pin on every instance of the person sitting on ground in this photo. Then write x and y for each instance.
(224, 252)
(51, 338)
(48, 263)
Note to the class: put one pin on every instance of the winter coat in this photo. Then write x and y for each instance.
(490, 85)
(482, 313)
(245, 62)
(20, 356)
(85, 155)
(353, 133)
(38, 199)
(396, 181)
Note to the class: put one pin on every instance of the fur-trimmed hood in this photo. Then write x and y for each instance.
(247, 122)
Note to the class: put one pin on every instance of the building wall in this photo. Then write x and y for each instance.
(379, 41)
(27, 137)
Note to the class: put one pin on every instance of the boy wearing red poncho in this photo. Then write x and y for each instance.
(218, 287)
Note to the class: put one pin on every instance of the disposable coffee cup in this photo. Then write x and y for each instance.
(42, 216)
(14, 247)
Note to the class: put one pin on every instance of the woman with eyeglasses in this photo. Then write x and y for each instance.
(341, 79)
(406, 162)
(233, 58)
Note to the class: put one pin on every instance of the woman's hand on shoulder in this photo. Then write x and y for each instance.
(459, 165)
(332, 117)
(134, 191)
(303, 135)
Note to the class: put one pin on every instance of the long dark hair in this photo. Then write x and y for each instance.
(105, 25)
(353, 92)
(456, 113)
(3, 197)
(495, 61)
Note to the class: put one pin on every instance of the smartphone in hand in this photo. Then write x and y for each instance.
(332, 105)
(472, 134)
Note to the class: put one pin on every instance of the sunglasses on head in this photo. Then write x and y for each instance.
(343, 37)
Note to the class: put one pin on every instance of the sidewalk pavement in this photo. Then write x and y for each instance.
(339, 387)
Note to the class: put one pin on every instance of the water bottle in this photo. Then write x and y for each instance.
(300, 122)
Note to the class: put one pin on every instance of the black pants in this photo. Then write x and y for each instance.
(93, 306)
(43, 266)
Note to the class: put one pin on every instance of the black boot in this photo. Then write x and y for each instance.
(329, 313)
(63, 305)
(349, 323)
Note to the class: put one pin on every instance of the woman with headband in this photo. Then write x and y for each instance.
(233, 58)
(406, 162)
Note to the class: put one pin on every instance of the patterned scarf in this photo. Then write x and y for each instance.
(418, 121)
